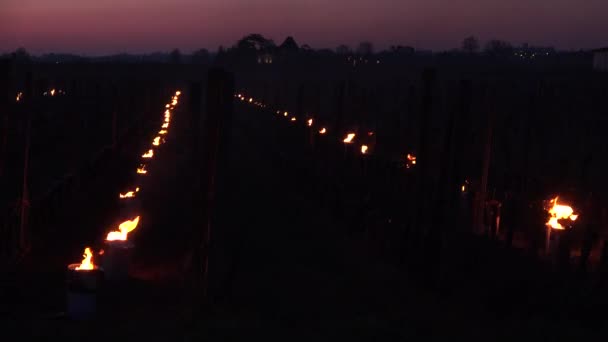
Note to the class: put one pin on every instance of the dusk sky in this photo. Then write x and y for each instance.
(134, 26)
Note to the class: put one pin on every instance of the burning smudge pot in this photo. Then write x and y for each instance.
(117, 252)
(83, 282)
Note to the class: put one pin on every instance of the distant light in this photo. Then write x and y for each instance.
(322, 130)
(293, 118)
(309, 122)
(349, 138)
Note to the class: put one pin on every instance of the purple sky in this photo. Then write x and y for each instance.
(96, 27)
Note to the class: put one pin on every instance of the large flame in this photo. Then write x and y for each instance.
(87, 261)
(148, 154)
(123, 230)
(559, 212)
(349, 138)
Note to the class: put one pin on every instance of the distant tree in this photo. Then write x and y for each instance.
(306, 47)
(200, 56)
(343, 50)
(21, 55)
(289, 45)
(408, 50)
(254, 41)
(470, 45)
(365, 48)
(496, 47)
(175, 56)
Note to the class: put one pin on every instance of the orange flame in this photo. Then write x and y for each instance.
(123, 230)
(87, 261)
(309, 122)
(559, 212)
(167, 105)
(363, 149)
(52, 92)
(165, 125)
(142, 170)
(174, 102)
(411, 158)
(162, 132)
(156, 141)
(293, 118)
(178, 93)
(19, 96)
(322, 130)
(285, 114)
(349, 138)
(250, 99)
(148, 154)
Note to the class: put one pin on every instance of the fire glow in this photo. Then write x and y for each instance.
(322, 130)
(156, 141)
(560, 212)
(363, 149)
(165, 125)
(148, 154)
(142, 170)
(309, 122)
(293, 118)
(123, 230)
(349, 138)
(87, 261)
(128, 194)
(162, 132)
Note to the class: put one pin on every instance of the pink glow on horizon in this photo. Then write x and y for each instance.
(112, 26)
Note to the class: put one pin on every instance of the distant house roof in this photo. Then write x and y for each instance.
(605, 49)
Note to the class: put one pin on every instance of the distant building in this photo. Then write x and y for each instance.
(600, 59)
(265, 58)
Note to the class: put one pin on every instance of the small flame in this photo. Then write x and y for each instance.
(370, 133)
(123, 230)
(322, 130)
(559, 212)
(165, 125)
(309, 122)
(19, 96)
(142, 170)
(167, 105)
(278, 112)
(250, 99)
(349, 138)
(128, 194)
(285, 114)
(178, 93)
(293, 118)
(363, 149)
(162, 132)
(52, 92)
(156, 141)
(87, 261)
(148, 154)
(463, 188)
(411, 158)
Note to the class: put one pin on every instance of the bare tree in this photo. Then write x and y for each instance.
(175, 56)
(470, 45)
(365, 48)
(496, 47)
(343, 50)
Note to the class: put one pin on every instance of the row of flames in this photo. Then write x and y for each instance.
(349, 138)
(556, 211)
(122, 233)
